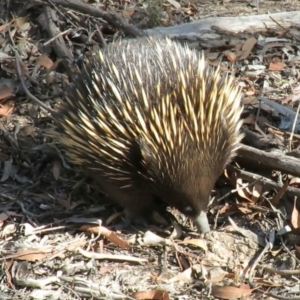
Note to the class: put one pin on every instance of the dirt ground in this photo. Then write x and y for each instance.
(57, 234)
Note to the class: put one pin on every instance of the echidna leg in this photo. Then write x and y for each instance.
(136, 212)
(138, 205)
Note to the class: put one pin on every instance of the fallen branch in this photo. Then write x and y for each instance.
(266, 182)
(216, 32)
(112, 19)
(210, 32)
(276, 161)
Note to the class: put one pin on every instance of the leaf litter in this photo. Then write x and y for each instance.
(56, 240)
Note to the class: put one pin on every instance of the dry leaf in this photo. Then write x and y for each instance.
(226, 207)
(216, 275)
(277, 66)
(247, 100)
(280, 192)
(232, 177)
(244, 210)
(150, 238)
(4, 26)
(21, 21)
(25, 27)
(266, 282)
(106, 269)
(230, 292)
(192, 9)
(45, 61)
(251, 92)
(110, 235)
(8, 230)
(127, 13)
(250, 119)
(5, 215)
(256, 192)
(243, 192)
(8, 266)
(230, 55)
(6, 110)
(195, 242)
(247, 48)
(32, 254)
(151, 295)
(6, 91)
(295, 215)
(174, 3)
(183, 277)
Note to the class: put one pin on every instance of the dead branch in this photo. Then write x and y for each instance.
(111, 18)
(266, 182)
(58, 43)
(216, 32)
(277, 161)
(211, 32)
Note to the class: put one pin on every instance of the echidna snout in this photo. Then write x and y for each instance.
(146, 118)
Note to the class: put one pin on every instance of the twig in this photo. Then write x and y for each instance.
(246, 185)
(20, 76)
(104, 44)
(268, 246)
(267, 183)
(102, 256)
(59, 45)
(112, 19)
(57, 36)
(286, 30)
(293, 128)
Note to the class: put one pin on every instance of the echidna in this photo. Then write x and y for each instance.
(148, 119)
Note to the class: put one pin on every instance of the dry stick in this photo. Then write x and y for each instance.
(105, 256)
(276, 161)
(274, 130)
(292, 255)
(112, 19)
(58, 43)
(277, 296)
(58, 35)
(29, 95)
(279, 272)
(286, 30)
(267, 183)
(255, 264)
(267, 247)
(293, 129)
(104, 44)
(32, 97)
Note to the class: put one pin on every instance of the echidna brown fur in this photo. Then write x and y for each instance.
(147, 118)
